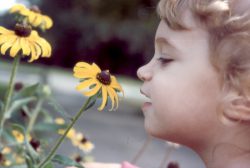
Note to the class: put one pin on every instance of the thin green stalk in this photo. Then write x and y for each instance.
(142, 149)
(34, 115)
(9, 92)
(60, 140)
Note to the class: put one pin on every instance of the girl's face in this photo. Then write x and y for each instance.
(182, 87)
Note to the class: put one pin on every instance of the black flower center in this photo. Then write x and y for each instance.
(1, 157)
(84, 140)
(104, 77)
(35, 9)
(22, 30)
(35, 143)
(78, 158)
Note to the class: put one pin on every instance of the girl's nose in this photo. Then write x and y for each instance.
(144, 73)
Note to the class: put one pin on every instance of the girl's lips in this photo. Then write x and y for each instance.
(146, 105)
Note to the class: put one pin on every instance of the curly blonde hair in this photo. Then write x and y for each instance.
(228, 24)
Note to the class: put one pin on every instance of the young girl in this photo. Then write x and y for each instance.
(198, 81)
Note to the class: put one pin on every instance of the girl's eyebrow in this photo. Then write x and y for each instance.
(163, 40)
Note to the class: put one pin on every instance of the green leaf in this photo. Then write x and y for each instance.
(27, 92)
(1, 106)
(49, 165)
(66, 161)
(17, 104)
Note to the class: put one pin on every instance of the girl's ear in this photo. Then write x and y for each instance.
(236, 108)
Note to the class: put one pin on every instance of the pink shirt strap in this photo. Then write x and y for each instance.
(128, 165)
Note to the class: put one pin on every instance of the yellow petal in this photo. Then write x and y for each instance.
(16, 8)
(48, 22)
(31, 17)
(7, 45)
(15, 48)
(33, 53)
(25, 12)
(25, 46)
(112, 97)
(44, 45)
(93, 91)
(116, 100)
(38, 20)
(96, 68)
(83, 75)
(114, 84)
(5, 31)
(86, 83)
(83, 65)
(3, 39)
(104, 97)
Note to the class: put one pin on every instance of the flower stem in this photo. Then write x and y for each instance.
(9, 92)
(60, 140)
(141, 150)
(34, 115)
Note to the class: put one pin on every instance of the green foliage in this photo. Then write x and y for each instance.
(65, 161)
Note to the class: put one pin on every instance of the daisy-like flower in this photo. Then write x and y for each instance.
(33, 15)
(80, 141)
(24, 39)
(98, 82)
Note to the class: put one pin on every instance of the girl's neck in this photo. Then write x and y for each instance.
(226, 155)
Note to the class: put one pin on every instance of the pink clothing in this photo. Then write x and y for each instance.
(128, 165)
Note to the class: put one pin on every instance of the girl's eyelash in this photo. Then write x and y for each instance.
(164, 60)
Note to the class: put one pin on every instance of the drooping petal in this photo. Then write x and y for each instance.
(116, 98)
(25, 46)
(104, 98)
(114, 84)
(85, 84)
(48, 22)
(38, 20)
(93, 91)
(31, 17)
(15, 48)
(112, 97)
(7, 45)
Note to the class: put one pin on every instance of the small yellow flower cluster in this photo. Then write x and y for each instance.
(78, 139)
(33, 16)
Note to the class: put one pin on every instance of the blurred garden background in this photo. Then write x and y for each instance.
(117, 35)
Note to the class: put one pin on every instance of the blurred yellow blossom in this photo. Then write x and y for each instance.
(97, 81)
(18, 136)
(33, 15)
(80, 141)
(59, 121)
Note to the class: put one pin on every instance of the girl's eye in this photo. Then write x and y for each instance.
(164, 60)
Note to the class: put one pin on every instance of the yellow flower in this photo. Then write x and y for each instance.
(6, 150)
(71, 134)
(59, 121)
(18, 136)
(97, 81)
(33, 15)
(24, 39)
(80, 141)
